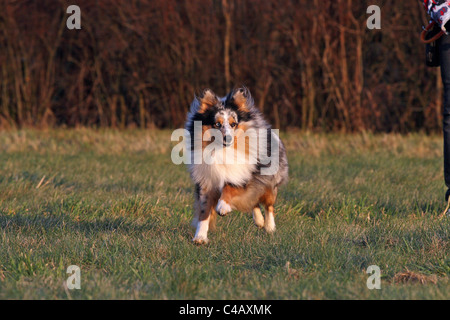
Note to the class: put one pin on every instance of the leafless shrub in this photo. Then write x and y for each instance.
(310, 64)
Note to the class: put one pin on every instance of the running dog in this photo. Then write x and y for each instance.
(237, 161)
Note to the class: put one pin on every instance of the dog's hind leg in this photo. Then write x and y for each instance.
(269, 221)
(258, 218)
(213, 218)
(268, 199)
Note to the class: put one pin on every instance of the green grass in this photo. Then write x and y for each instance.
(113, 204)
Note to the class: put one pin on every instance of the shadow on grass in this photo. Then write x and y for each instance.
(47, 223)
(350, 209)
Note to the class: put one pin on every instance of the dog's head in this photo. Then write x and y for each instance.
(225, 114)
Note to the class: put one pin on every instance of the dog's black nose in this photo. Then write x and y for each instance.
(227, 139)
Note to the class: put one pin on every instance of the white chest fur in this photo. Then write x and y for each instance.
(223, 167)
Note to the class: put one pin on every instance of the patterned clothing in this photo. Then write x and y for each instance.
(439, 10)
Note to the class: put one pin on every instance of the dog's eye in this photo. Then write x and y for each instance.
(218, 125)
(233, 124)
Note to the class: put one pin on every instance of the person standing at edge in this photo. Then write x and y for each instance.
(439, 11)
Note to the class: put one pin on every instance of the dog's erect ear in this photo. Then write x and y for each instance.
(242, 99)
(207, 100)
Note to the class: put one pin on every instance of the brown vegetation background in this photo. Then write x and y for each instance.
(310, 64)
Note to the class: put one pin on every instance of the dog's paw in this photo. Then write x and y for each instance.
(259, 222)
(223, 208)
(270, 226)
(199, 240)
(258, 218)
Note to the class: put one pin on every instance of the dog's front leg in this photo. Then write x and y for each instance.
(206, 215)
(224, 204)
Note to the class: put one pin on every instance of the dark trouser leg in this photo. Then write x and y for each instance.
(445, 72)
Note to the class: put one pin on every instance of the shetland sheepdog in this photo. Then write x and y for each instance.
(237, 161)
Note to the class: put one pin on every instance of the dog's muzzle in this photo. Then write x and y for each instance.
(227, 140)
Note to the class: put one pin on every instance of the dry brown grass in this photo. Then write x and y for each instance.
(410, 277)
(110, 141)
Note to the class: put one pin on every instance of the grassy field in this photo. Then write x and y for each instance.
(113, 204)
